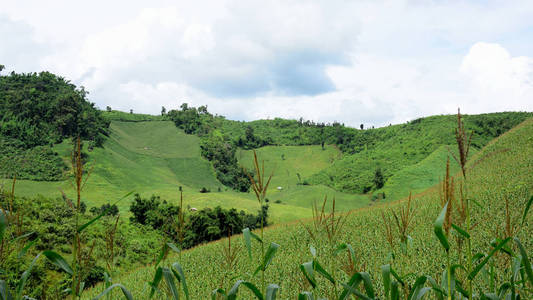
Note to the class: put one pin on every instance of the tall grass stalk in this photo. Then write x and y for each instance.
(463, 140)
(76, 244)
(260, 186)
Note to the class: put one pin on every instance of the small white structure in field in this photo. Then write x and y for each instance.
(193, 209)
(279, 188)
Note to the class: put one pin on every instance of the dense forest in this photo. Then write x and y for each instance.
(37, 111)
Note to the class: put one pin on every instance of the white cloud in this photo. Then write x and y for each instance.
(374, 62)
(498, 79)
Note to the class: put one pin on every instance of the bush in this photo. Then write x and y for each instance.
(110, 210)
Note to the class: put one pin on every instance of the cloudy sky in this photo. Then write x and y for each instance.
(372, 62)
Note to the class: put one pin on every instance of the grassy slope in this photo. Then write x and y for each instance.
(418, 177)
(395, 147)
(152, 158)
(504, 168)
(306, 161)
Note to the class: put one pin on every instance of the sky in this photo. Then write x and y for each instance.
(371, 62)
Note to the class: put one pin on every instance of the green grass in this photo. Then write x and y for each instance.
(398, 146)
(151, 158)
(287, 161)
(116, 115)
(503, 169)
(420, 176)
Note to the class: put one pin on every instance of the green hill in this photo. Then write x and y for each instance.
(152, 158)
(287, 162)
(501, 170)
(395, 147)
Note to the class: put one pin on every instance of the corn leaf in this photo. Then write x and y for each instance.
(4, 291)
(232, 294)
(321, 271)
(367, 282)
(103, 213)
(125, 291)
(306, 296)
(254, 289)
(169, 279)
(180, 275)
(478, 268)
(385, 274)
(247, 241)
(23, 251)
(24, 277)
(461, 231)
(220, 291)
(312, 250)
(395, 291)
(173, 247)
(58, 260)
(417, 286)
(248, 235)
(352, 290)
(351, 287)
(525, 260)
(269, 255)
(307, 269)
(157, 279)
(271, 291)
(439, 232)
(350, 250)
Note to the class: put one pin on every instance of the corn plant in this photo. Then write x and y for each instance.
(168, 274)
(260, 186)
(270, 293)
(326, 228)
(230, 255)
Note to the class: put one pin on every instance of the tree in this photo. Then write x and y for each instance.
(2, 67)
(362, 126)
(108, 108)
(249, 133)
(163, 110)
(203, 109)
(379, 180)
(131, 111)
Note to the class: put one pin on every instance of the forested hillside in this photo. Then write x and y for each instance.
(38, 111)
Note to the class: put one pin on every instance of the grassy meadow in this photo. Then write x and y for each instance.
(154, 157)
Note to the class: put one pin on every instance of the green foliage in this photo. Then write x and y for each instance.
(41, 109)
(37, 163)
(115, 115)
(107, 209)
(393, 147)
(396, 147)
(49, 224)
(201, 226)
(221, 152)
(379, 180)
(37, 111)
